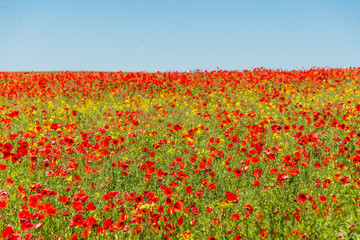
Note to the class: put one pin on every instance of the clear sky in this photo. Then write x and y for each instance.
(177, 35)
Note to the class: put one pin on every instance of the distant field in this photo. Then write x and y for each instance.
(259, 154)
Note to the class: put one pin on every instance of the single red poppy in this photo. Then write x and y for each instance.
(302, 198)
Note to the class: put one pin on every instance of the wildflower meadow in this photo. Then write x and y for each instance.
(253, 154)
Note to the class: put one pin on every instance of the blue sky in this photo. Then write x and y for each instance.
(177, 35)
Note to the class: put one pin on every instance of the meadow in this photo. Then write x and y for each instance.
(253, 154)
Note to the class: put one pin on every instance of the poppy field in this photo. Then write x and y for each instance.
(253, 154)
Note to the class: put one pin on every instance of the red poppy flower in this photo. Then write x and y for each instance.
(294, 172)
(168, 191)
(199, 193)
(54, 126)
(302, 198)
(3, 203)
(249, 208)
(195, 211)
(120, 224)
(204, 182)
(33, 200)
(170, 228)
(322, 199)
(177, 128)
(246, 214)
(189, 190)
(136, 231)
(90, 206)
(231, 197)
(282, 177)
(180, 221)
(63, 199)
(28, 236)
(356, 159)
(139, 199)
(27, 226)
(254, 160)
(256, 183)
(317, 165)
(238, 237)
(235, 216)
(8, 231)
(50, 210)
(178, 205)
(160, 209)
(237, 172)
(340, 166)
(168, 201)
(257, 173)
(182, 175)
(357, 107)
(78, 206)
(212, 187)
(193, 222)
(74, 237)
(107, 223)
(115, 142)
